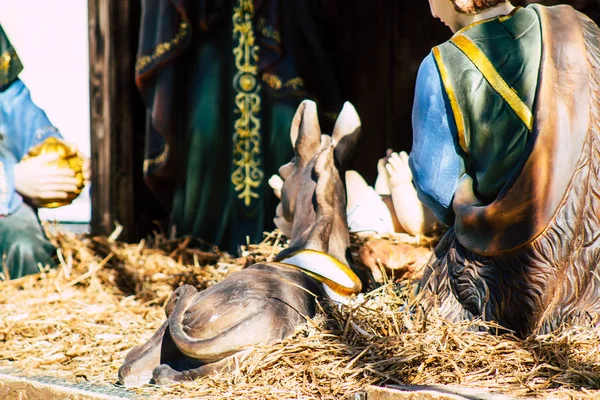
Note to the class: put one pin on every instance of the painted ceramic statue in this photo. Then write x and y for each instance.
(221, 81)
(37, 169)
(505, 152)
(265, 302)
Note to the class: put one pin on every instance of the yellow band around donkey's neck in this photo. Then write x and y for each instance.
(334, 275)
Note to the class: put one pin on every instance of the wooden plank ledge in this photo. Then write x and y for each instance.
(430, 392)
(16, 386)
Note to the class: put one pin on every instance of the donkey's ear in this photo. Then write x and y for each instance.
(318, 238)
(346, 134)
(306, 132)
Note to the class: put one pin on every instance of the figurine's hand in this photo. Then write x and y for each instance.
(37, 180)
(398, 170)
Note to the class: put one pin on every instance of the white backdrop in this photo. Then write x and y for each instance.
(51, 38)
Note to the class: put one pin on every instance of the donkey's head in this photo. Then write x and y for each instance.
(312, 212)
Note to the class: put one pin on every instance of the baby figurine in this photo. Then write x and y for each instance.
(391, 206)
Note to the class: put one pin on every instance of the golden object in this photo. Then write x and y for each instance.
(488, 71)
(247, 175)
(69, 158)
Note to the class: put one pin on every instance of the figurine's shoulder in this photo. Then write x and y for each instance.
(427, 69)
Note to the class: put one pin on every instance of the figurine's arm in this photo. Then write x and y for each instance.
(24, 125)
(434, 160)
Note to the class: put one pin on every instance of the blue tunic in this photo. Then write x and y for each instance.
(22, 126)
(435, 160)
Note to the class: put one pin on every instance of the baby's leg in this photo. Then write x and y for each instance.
(355, 188)
(366, 210)
(414, 217)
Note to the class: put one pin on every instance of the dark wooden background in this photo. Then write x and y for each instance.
(379, 45)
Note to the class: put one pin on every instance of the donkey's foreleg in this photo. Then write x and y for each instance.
(141, 360)
(164, 374)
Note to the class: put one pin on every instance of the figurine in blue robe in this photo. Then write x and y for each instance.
(505, 152)
(24, 184)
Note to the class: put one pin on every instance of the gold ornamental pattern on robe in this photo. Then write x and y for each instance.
(247, 173)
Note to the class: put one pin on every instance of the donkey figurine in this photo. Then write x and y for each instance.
(268, 301)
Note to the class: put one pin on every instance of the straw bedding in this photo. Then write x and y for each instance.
(80, 320)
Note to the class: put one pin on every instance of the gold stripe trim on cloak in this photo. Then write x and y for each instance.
(6, 60)
(162, 48)
(276, 83)
(268, 31)
(501, 18)
(490, 73)
(247, 175)
(458, 117)
(150, 162)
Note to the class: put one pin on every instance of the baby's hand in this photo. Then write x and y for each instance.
(398, 170)
(381, 183)
(276, 184)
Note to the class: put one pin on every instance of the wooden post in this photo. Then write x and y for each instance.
(112, 42)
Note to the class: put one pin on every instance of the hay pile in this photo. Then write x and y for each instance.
(79, 322)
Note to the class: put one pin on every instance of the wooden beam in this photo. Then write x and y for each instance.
(112, 43)
(14, 385)
(431, 392)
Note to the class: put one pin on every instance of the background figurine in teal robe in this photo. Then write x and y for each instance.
(221, 81)
(23, 244)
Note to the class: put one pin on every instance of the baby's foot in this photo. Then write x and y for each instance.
(398, 171)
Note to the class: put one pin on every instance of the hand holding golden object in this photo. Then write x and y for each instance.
(69, 157)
